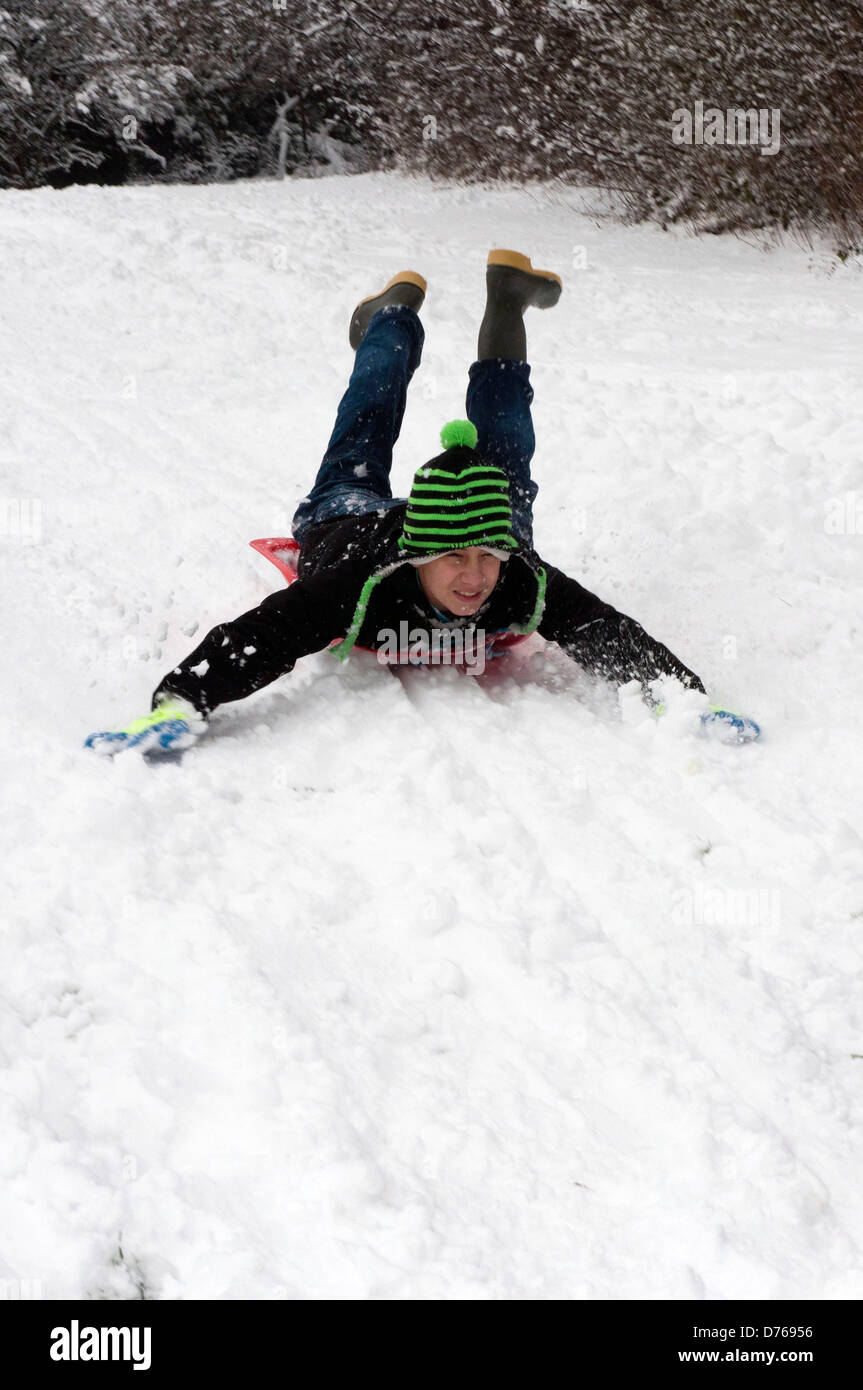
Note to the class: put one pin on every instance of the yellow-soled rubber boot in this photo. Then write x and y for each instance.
(407, 287)
(509, 274)
(512, 285)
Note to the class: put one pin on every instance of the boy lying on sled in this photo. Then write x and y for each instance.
(456, 554)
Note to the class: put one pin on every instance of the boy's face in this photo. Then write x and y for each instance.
(460, 581)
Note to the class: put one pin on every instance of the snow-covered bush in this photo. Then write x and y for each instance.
(584, 91)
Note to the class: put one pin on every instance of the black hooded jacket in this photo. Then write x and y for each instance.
(353, 583)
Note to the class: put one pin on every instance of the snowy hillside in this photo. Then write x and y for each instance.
(427, 988)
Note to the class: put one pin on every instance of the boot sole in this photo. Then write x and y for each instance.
(548, 285)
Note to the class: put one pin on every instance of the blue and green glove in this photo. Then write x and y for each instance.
(728, 727)
(721, 724)
(173, 725)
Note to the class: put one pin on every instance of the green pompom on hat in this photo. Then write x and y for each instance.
(457, 500)
(457, 432)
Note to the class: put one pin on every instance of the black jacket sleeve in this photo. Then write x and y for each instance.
(240, 657)
(603, 640)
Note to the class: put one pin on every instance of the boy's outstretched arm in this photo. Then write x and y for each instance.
(603, 640)
(610, 644)
(235, 659)
(239, 657)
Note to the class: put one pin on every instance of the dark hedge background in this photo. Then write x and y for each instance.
(582, 92)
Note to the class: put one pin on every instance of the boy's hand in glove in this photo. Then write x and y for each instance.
(711, 720)
(727, 727)
(173, 725)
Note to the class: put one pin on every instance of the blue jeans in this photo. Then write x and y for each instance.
(354, 477)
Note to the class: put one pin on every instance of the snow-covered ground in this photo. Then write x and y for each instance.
(427, 988)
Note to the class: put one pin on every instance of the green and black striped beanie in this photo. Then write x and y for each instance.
(457, 501)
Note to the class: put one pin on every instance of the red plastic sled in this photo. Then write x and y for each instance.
(284, 553)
